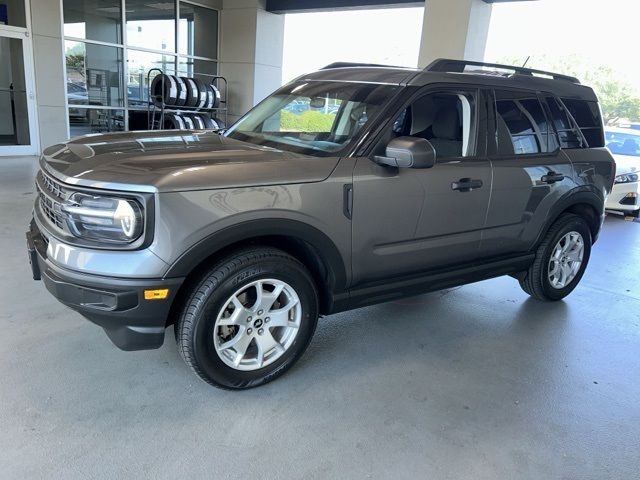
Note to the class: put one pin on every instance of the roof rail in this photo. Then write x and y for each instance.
(355, 64)
(458, 66)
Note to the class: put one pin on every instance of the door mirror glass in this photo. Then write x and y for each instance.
(408, 152)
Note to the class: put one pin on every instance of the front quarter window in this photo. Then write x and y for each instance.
(316, 118)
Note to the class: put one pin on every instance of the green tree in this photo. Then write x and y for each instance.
(618, 99)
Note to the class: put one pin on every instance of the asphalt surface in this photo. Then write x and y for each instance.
(478, 382)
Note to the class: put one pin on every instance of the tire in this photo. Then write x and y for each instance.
(201, 339)
(196, 118)
(173, 121)
(192, 92)
(181, 98)
(538, 281)
(164, 88)
(202, 93)
(208, 122)
(188, 122)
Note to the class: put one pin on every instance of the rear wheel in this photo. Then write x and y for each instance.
(560, 261)
(249, 319)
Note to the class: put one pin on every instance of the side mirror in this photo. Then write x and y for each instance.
(408, 152)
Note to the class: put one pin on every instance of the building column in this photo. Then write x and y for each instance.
(454, 29)
(251, 44)
(49, 63)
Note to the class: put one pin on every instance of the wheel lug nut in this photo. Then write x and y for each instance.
(248, 319)
(266, 320)
(249, 331)
(259, 312)
(261, 331)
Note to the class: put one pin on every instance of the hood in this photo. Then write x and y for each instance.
(166, 161)
(626, 164)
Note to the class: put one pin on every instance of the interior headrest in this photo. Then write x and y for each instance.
(446, 125)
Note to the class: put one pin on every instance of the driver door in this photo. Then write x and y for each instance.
(409, 221)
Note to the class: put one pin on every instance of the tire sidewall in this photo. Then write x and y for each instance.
(576, 224)
(203, 347)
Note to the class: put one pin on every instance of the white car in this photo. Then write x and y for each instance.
(624, 144)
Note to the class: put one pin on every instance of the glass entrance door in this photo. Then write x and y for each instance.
(18, 128)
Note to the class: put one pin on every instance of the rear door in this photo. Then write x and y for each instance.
(530, 171)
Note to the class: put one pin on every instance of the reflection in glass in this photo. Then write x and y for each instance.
(151, 25)
(93, 20)
(138, 64)
(13, 13)
(189, 66)
(198, 31)
(14, 116)
(83, 121)
(93, 74)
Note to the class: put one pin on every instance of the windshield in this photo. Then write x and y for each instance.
(623, 143)
(316, 118)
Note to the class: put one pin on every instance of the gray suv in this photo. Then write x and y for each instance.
(350, 186)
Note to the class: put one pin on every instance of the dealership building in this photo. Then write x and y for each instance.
(71, 67)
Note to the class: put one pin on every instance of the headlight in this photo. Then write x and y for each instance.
(106, 219)
(627, 178)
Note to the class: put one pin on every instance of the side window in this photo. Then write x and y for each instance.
(587, 116)
(522, 126)
(568, 134)
(446, 119)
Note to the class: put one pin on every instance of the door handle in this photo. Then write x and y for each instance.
(466, 185)
(552, 177)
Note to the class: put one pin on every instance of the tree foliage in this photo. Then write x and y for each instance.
(618, 99)
(309, 121)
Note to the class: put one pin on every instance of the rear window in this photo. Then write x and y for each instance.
(568, 135)
(523, 128)
(587, 116)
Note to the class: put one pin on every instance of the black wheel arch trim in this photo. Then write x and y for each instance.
(582, 195)
(250, 229)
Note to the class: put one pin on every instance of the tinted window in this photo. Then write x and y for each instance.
(567, 134)
(587, 116)
(522, 126)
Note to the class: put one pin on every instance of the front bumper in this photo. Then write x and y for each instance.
(116, 304)
(624, 198)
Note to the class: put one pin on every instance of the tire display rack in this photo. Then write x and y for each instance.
(186, 102)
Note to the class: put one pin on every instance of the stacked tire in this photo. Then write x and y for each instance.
(173, 91)
(191, 121)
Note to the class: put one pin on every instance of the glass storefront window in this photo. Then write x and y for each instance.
(198, 31)
(102, 36)
(94, 74)
(190, 66)
(13, 13)
(14, 116)
(83, 121)
(101, 21)
(151, 25)
(138, 64)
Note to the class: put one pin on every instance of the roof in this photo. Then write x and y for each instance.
(440, 71)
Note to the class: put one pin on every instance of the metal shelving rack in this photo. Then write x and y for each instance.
(156, 107)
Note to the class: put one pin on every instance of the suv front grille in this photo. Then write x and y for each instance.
(51, 194)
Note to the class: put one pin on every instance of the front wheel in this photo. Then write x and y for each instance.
(249, 320)
(560, 261)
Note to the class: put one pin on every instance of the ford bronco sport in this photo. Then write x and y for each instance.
(381, 183)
